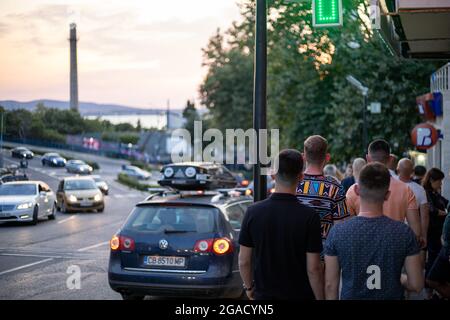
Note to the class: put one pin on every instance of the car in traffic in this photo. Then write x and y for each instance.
(26, 201)
(53, 159)
(197, 176)
(22, 152)
(135, 172)
(249, 191)
(78, 167)
(180, 244)
(79, 194)
(101, 184)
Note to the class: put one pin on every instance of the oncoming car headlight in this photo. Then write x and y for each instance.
(97, 197)
(190, 172)
(24, 206)
(168, 172)
(71, 198)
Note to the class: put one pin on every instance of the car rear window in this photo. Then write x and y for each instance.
(159, 219)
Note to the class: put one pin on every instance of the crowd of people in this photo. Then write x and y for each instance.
(381, 231)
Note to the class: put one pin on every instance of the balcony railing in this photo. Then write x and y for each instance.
(439, 81)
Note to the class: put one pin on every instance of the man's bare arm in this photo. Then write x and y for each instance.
(332, 277)
(245, 267)
(315, 274)
(414, 280)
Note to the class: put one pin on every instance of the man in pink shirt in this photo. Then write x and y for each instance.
(401, 204)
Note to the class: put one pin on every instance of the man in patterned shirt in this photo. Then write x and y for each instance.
(323, 193)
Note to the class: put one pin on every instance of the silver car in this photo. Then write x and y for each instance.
(78, 166)
(26, 201)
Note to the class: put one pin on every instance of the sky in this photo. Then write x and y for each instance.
(136, 52)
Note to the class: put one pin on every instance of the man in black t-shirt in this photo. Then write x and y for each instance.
(281, 241)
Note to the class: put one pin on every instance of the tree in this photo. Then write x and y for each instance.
(307, 90)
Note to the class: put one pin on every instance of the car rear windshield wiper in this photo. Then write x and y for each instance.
(178, 231)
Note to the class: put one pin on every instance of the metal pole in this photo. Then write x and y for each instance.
(1, 141)
(365, 142)
(259, 94)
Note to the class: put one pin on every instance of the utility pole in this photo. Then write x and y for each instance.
(73, 68)
(260, 95)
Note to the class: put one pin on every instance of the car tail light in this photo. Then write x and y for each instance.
(122, 243)
(203, 245)
(114, 243)
(244, 183)
(218, 246)
(222, 246)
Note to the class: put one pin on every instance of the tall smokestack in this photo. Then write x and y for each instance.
(73, 68)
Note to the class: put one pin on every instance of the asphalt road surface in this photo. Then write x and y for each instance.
(36, 262)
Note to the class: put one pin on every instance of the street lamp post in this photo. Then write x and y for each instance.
(259, 95)
(364, 91)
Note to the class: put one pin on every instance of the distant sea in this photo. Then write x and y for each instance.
(148, 121)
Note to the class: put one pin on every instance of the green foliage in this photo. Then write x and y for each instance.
(54, 124)
(307, 88)
(191, 115)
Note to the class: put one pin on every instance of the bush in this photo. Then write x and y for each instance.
(133, 183)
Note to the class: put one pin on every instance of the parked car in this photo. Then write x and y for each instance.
(79, 194)
(53, 159)
(135, 172)
(26, 201)
(179, 245)
(101, 184)
(78, 167)
(22, 152)
(197, 176)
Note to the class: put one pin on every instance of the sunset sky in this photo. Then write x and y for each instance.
(135, 52)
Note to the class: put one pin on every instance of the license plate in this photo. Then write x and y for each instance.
(86, 204)
(179, 181)
(165, 261)
(202, 177)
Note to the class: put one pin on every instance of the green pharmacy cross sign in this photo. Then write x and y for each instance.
(327, 13)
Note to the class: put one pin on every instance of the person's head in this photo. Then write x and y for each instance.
(330, 170)
(357, 166)
(315, 151)
(433, 179)
(419, 171)
(290, 168)
(379, 151)
(373, 183)
(348, 170)
(405, 168)
(393, 162)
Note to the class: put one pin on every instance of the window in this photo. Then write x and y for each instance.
(159, 219)
(235, 216)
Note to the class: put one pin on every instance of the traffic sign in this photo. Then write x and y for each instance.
(327, 13)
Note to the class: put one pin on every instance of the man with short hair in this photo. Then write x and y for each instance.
(401, 204)
(419, 173)
(357, 165)
(280, 241)
(323, 193)
(405, 170)
(371, 249)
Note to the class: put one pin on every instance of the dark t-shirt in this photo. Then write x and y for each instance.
(371, 249)
(281, 231)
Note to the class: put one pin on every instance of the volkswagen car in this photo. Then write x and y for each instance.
(26, 201)
(53, 160)
(179, 245)
(79, 194)
(78, 167)
(197, 176)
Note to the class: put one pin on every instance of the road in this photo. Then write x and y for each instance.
(35, 260)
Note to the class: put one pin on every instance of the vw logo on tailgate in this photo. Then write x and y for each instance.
(163, 244)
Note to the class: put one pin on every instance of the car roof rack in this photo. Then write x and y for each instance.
(217, 193)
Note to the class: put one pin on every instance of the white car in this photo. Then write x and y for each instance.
(26, 201)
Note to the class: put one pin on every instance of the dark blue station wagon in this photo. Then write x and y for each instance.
(180, 245)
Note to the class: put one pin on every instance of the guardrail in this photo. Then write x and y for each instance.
(439, 80)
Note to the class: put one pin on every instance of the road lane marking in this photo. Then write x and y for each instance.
(25, 266)
(31, 255)
(65, 220)
(93, 246)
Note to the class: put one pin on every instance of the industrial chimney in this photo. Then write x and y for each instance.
(73, 68)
